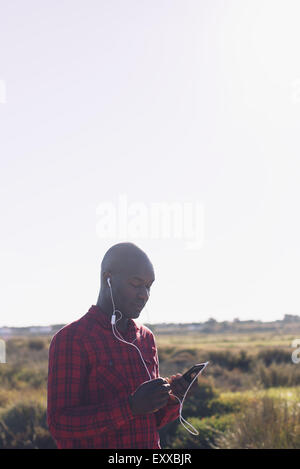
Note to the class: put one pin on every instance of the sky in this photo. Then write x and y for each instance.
(170, 124)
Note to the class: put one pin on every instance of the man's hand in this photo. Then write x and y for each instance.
(150, 396)
(179, 385)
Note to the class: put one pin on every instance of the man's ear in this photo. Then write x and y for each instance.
(106, 276)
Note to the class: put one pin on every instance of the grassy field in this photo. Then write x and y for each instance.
(248, 397)
(226, 341)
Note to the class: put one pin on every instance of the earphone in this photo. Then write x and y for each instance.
(114, 330)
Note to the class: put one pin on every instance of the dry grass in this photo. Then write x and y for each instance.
(224, 341)
(266, 423)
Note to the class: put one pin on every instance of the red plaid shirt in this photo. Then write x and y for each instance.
(91, 376)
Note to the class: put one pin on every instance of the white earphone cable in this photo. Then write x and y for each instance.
(114, 329)
(181, 419)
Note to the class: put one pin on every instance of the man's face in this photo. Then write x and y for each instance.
(131, 290)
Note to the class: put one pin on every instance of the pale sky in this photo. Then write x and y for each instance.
(153, 102)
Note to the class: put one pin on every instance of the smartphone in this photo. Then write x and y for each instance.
(192, 372)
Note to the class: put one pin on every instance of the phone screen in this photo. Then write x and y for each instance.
(192, 372)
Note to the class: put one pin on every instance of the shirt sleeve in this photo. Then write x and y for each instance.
(67, 416)
(170, 411)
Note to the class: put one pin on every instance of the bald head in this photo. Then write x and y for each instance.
(131, 275)
(124, 259)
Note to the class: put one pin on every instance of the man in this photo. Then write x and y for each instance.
(99, 392)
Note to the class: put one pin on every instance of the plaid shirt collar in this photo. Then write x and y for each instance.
(105, 321)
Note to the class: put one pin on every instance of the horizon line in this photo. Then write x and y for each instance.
(237, 319)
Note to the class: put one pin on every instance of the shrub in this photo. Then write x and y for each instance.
(19, 377)
(221, 406)
(266, 423)
(184, 354)
(233, 402)
(231, 360)
(276, 375)
(274, 355)
(209, 430)
(233, 380)
(24, 426)
(164, 353)
(4, 398)
(36, 344)
(32, 378)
